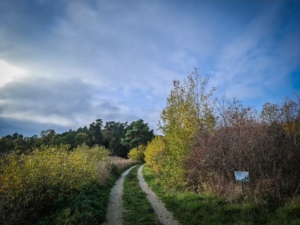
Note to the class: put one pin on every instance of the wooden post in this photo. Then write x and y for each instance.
(243, 187)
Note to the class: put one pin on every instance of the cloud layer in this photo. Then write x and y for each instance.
(68, 63)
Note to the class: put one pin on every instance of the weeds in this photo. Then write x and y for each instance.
(192, 209)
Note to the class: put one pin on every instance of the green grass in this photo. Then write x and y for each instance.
(194, 209)
(138, 209)
(86, 207)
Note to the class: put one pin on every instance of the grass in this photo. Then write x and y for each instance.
(194, 209)
(138, 209)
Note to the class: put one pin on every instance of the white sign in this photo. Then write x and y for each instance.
(241, 175)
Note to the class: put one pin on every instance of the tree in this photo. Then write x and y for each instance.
(6, 145)
(82, 138)
(48, 137)
(113, 132)
(188, 113)
(138, 133)
(95, 132)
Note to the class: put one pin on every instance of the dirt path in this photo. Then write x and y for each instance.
(164, 216)
(115, 207)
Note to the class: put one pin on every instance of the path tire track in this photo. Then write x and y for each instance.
(115, 207)
(164, 216)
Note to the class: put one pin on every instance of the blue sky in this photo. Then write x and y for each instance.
(64, 64)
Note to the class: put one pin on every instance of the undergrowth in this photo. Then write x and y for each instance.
(195, 209)
(54, 185)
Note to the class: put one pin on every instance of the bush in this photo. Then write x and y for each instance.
(267, 147)
(137, 153)
(154, 153)
(30, 183)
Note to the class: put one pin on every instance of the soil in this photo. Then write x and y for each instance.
(164, 216)
(115, 207)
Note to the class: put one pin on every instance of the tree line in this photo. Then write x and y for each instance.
(117, 137)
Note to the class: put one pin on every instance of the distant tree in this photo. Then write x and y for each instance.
(31, 142)
(19, 144)
(47, 137)
(67, 138)
(95, 132)
(82, 138)
(12, 142)
(113, 132)
(138, 133)
(6, 145)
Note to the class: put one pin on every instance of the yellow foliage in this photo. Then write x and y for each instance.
(46, 174)
(291, 128)
(154, 153)
(137, 154)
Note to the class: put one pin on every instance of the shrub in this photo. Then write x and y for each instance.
(30, 183)
(268, 148)
(154, 153)
(137, 153)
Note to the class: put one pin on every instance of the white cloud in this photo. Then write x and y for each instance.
(116, 60)
(9, 73)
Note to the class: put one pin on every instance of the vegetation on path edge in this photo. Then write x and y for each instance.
(138, 208)
(195, 209)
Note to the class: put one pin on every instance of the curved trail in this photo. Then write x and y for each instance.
(164, 216)
(115, 207)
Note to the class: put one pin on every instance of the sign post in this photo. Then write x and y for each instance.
(242, 176)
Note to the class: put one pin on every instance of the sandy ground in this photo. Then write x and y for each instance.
(164, 216)
(115, 207)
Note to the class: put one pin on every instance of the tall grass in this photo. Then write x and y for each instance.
(30, 184)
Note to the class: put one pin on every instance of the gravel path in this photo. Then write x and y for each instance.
(164, 216)
(115, 207)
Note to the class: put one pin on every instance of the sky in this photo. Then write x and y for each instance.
(66, 63)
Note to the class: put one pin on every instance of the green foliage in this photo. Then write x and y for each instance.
(113, 132)
(138, 209)
(82, 138)
(138, 133)
(137, 153)
(110, 136)
(188, 111)
(85, 207)
(95, 132)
